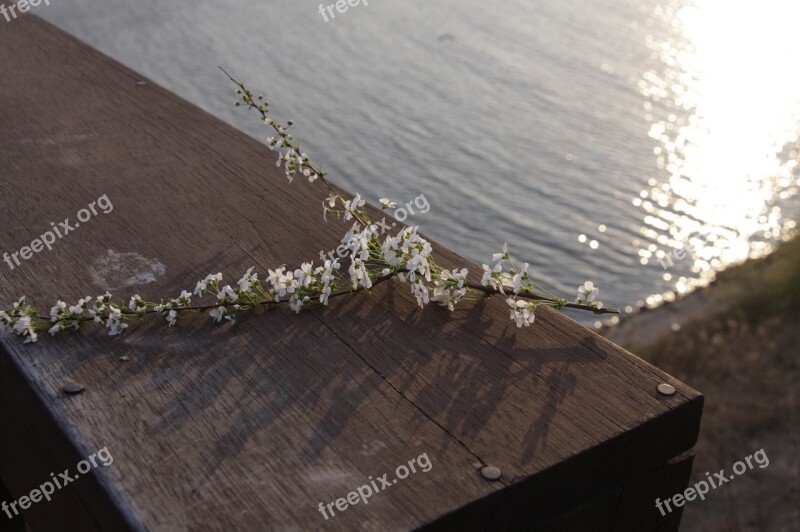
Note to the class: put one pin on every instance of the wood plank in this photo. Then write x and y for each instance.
(662, 483)
(253, 427)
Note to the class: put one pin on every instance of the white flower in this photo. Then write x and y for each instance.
(418, 265)
(359, 275)
(520, 276)
(114, 321)
(276, 279)
(501, 256)
(58, 309)
(324, 294)
(305, 274)
(386, 204)
(275, 275)
(489, 277)
(202, 285)
(54, 329)
(172, 317)
(23, 325)
(117, 328)
(247, 280)
(522, 312)
(77, 309)
(351, 206)
(136, 304)
(226, 292)
(218, 313)
(287, 284)
(587, 293)
(450, 288)
(421, 292)
(296, 304)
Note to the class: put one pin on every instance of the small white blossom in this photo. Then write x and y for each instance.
(114, 321)
(296, 303)
(522, 312)
(587, 294)
(247, 280)
(23, 324)
(218, 313)
(227, 293)
(58, 309)
(450, 288)
(203, 285)
(519, 277)
(351, 206)
(386, 204)
(325, 294)
(287, 284)
(359, 275)
(305, 274)
(421, 292)
(136, 304)
(501, 256)
(490, 277)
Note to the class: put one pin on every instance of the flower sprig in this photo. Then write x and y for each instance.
(370, 258)
(290, 156)
(406, 255)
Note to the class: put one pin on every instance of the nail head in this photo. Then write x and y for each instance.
(73, 388)
(666, 389)
(490, 472)
(141, 82)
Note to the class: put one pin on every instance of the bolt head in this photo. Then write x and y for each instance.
(666, 389)
(73, 388)
(490, 473)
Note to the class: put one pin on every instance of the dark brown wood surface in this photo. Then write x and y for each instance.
(251, 426)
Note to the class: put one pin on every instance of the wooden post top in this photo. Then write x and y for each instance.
(252, 426)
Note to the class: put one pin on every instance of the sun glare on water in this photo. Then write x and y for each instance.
(724, 109)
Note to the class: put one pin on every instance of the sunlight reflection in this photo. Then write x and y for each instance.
(724, 106)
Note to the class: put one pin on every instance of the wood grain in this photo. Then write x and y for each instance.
(250, 427)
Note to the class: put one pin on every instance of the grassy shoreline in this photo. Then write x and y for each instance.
(738, 342)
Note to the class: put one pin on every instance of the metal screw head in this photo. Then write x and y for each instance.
(490, 472)
(666, 389)
(73, 388)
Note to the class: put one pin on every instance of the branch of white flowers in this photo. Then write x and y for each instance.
(371, 261)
